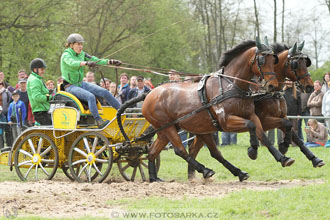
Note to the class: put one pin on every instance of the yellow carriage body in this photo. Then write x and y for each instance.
(68, 126)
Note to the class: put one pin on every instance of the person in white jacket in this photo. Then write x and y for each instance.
(326, 107)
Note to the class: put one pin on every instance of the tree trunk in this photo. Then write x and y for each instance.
(257, 19)
(282, 28)
(275, 30)
(1, 53)
(316, 51)
(209, 55)
(327, 2)
(235, 24)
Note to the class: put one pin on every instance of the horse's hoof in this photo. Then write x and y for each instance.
(151, 180)
(243, 176)
(207, 173)
(253, 153)
(287, 161)
(282, 148)
(317, 162)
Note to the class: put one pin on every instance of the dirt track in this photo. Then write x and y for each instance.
(69, 199)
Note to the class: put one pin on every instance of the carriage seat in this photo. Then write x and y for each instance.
(71, 100)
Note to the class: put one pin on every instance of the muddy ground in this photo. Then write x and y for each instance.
(71, 199)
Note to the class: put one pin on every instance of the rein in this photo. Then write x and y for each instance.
(194, 75)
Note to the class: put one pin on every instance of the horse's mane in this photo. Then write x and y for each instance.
(227, 56)
(278, 48)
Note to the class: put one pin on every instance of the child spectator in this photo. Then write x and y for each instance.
(2, 127)
(16, 114)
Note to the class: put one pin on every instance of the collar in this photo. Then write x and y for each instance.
(70, 50)
(123, 86)
(36, 75)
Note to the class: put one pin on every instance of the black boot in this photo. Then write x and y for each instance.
(253, 153)
(153, 172)
(283, 148)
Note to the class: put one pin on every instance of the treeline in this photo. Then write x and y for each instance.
(186, 35)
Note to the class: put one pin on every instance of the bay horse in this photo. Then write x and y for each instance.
(235, 111)
(272, 110)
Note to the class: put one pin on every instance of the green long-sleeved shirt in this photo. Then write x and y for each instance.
(71, 70)
(37, 93)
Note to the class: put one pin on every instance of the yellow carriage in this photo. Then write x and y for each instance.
(76, 145)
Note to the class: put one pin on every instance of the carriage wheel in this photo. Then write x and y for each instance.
(36, 158)
(129, 165)
(67, 172)
(90, 158)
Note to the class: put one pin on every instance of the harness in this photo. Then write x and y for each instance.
(262, 97)
(235, 92)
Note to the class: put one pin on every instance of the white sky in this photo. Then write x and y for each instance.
(294, 8)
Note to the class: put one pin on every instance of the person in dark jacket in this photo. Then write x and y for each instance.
(139, 89)
(304, 112)
(123, 88)
(5, 99)
(293, 103)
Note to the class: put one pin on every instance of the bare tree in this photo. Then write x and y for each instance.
(327, 2)
(318, 36)
(282, 26)
(256, 13)
(275, 30)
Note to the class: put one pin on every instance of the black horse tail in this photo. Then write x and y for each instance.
(122, 108)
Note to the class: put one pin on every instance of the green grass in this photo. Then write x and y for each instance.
(310, 202)
(265, 168)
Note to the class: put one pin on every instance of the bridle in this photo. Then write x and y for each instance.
(293, 61)
(260, 60)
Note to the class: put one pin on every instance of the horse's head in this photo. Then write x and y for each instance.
(263, 64)
(296, 65)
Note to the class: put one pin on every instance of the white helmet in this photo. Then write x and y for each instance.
(73, 38)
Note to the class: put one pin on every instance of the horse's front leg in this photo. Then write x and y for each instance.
(155, 149)
(216, 154)
(194, 148)
(284, 124)
(172, 134)
(285, 161)
(238, 124)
